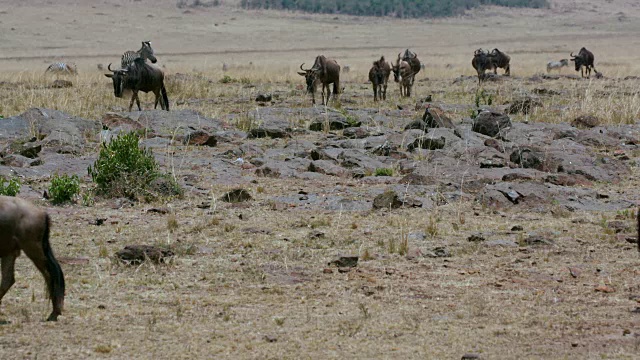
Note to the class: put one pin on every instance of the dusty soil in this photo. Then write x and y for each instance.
(513, 246)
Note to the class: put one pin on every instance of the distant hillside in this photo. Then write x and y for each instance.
(397, 8)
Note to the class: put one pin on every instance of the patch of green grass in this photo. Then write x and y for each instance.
(10, 187)
(63, 188)
(383, 172)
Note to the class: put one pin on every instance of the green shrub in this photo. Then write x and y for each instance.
(384, 172)
(227, 80)
(63, 188)
(124, 169)
(9, 188)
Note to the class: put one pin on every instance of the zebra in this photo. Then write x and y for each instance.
(62, 68)
(145, 52)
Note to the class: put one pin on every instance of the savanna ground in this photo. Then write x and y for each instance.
(248, 281)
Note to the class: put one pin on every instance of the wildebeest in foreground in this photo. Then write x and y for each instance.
(557, 65)
(140, 76)
(584, 58)
(324, 71)
(404, 75)
(379, 77)
(24, 227)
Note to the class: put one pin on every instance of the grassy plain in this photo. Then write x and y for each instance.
(248, 282)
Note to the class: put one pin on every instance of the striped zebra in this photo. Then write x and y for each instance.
(62, 68)
(145, 52)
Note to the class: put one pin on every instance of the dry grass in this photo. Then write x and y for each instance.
(253, 286)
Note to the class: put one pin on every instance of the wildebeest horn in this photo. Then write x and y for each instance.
(301, 65)
(572, 54)
(109, 67)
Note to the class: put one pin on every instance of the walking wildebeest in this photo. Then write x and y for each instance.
(403, 75)
(140, 76)
(24, 227)
(411, 58)
(379, 77)
(324, 71)
(498, 59)
(584, 58)
(557, 65)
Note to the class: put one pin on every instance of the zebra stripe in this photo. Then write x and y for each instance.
(62, 68)
(145, 52)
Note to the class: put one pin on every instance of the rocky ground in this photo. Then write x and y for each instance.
(324, 231)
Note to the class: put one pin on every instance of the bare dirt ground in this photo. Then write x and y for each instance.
(253, 280)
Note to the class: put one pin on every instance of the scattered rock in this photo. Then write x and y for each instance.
(604, 289)
(427, 142)
(387, 200)
(586, 121)
(61, 84)
(619, 226)
(478, 237)
(137, 254)
(263, 97)
(200, 138)
(355, 133)
(345, 262)
(523, 105)
(574, 271)
(439, 252)
(272, 132)
(470, 356)
(491, 123)
(236, 196)
(537, 240)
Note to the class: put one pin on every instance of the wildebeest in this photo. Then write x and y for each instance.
(411, 58)
(404, 75)
(584, 58)
(557, 65)
(24, 227)
(324, 71)
(481, 62)
(140, 76)
(379, 77)
(498, 59)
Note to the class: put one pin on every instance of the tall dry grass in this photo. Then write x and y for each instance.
(215, 92)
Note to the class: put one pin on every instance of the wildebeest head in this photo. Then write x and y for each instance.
(146, 52)
(400, 70)
(311, 77)
(119, 78)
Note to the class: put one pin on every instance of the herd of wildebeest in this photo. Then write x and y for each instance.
(135, 74)
(24, 227)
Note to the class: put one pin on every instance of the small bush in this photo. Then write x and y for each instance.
(384, 172)
(9, 188)
(124, 169)
(227, 80)
(63, 188)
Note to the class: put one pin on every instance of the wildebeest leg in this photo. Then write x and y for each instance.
(134, 96)
(375, 92)
(328, 94)
(384, 91)
(8, 279)
(36, 254)
(507, 70)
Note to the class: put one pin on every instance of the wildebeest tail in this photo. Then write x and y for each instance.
(165, 98)
(56, 283)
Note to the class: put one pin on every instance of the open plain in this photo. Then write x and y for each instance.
(514, 246)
